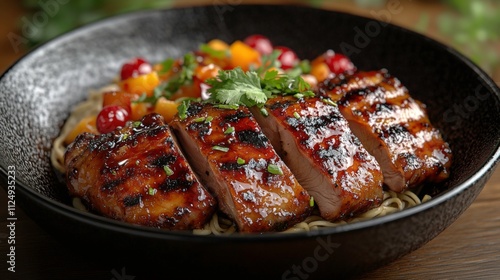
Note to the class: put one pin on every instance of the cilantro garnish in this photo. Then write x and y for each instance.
(269, 61)
(166, 65)
(170, 87)
(236, 87)
(182, 109)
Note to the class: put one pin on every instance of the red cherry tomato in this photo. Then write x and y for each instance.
(287, 58)
(111, 117)
(338, 63)
(135, 67)
(260, 43)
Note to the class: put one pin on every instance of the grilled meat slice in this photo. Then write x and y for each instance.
(236, 161)
(138, 175)
(393, 127)
(316, 143)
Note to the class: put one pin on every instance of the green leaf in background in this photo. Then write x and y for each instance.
(474, 29)
(79, 12)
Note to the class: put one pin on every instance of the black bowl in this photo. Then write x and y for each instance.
(38, 92)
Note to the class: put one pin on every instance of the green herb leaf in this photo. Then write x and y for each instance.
(269, 61)
(235, 87)
(182, 109)
(274, 169)
(311, 201)
(166, 65)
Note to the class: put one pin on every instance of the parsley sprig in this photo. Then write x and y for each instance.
(236, 87)
(170, 87)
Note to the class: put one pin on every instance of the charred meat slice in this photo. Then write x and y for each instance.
(137, 174)
(236, 161)
(315, 141)
(395, 128)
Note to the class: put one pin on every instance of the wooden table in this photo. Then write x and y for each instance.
(469, 248)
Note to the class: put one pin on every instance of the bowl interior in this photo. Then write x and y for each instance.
(39, 91)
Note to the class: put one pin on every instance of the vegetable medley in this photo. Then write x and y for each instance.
(243, 73)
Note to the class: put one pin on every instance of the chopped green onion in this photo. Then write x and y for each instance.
(229, 130)
(329, 101)
(298, 95)
(296, 115)
(200, 119)
(151, 191)
(227, 106)
(209, 119)
(274, 169)
(240, 161)
(168, 171)
(220, 148)
(136, 124)
(264, 112)
(311, 201)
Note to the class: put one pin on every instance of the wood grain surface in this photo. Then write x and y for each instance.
(468, 249)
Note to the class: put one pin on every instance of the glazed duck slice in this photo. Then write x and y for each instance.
(395, 128)
(137, 174)
(316, 143)
(236, 161)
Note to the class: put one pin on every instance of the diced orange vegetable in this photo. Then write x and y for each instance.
(120, 98)
(242, 55)
(139, 110)
(87, 124)
(206, 72)
(320, 71)
(166, 108)
(218, 45)
(141, 84)
(192, 91)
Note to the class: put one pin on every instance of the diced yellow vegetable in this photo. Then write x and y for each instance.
(141, 84)
(242, 55)
(218, 45)
(192, 90)
(166, 108)
(139, 110)
(87, 124)
(320, 71)
(206, 72)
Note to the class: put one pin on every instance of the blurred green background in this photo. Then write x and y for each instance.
(472, 27)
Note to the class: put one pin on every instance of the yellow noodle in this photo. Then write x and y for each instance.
(91, 106)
